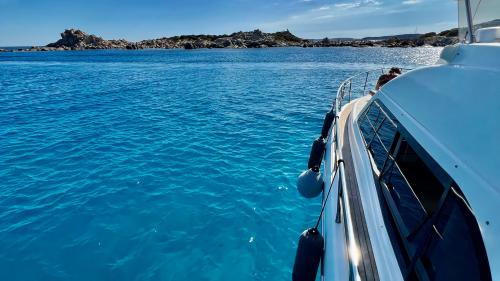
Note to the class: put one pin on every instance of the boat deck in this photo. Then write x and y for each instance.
(367, 267)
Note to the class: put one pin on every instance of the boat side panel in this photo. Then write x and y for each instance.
(335, 261)
(387, 264)
(367, 266)
(469, 153)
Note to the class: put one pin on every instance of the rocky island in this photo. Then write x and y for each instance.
(74, 39)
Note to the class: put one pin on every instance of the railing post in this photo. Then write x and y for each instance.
(350, 87)
(341, 98)
(339, 202)
(366, 81)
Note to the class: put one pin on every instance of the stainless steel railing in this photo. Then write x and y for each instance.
(348, 89)
(345, 210)
(358, 85)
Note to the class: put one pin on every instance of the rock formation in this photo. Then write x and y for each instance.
(74, 39)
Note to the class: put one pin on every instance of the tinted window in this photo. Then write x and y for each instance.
(424, 183)
(375, 114)
(455, 251)
(366, 128)
(408, 206)
(437, 232)
(379, 131)
(379, 152)
(387, 132)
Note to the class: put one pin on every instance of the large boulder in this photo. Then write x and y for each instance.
(200, 44)
(77, 39)
(238, 43)
(73, 38)
(258, 35)
(286, 36)
(223, 43)
(440, 41)
(189, 46)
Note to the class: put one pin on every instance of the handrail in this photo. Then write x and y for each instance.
(353, 250)
(346, 87)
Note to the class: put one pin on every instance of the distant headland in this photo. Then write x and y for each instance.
(74, 39)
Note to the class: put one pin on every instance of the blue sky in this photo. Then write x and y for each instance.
(38, 22)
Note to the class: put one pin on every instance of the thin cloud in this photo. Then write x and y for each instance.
(335, 12)
(412, 2)
(357, 4)
(324, 17)
(347, 5)
(372, 3)
(348, 18)
(322, 8)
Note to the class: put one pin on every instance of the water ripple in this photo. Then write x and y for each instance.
(163, 165)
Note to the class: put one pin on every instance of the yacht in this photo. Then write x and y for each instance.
(411, 174)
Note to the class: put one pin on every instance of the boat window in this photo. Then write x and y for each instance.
(366, 128)
(411, 183)
(452, 247)
(387, 132)
(439, 234)
(378, 151)
(424, 183)
(409, 210)
(413, 186)
(378, 131)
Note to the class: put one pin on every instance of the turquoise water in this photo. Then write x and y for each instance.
(163, 165)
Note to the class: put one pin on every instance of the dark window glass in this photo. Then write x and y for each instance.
(379, 152)
(424, 183)
(387, 132)
(366, 129)
(445, 235)
(375, 115)
(456, 251)
(379, 132)
(409, 208)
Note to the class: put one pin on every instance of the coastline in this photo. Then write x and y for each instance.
(74, 39)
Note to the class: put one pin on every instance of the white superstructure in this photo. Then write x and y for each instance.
(417, 192)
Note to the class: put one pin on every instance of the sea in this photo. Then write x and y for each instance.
(164, 164)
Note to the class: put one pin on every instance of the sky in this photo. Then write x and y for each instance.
(38, 22)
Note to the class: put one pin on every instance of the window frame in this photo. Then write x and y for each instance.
(403, 234)
(381, 110)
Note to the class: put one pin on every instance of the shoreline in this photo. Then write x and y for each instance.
(48, 49)
(74, 40)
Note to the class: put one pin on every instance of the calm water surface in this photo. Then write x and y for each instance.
(163, 165)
